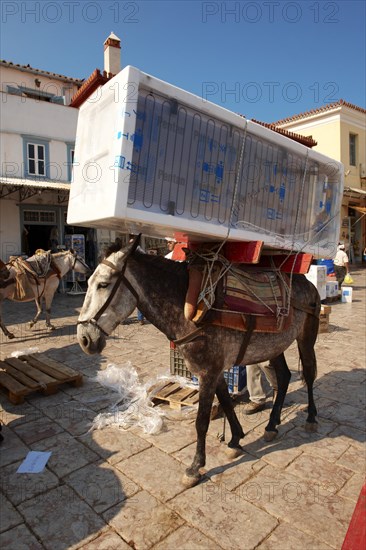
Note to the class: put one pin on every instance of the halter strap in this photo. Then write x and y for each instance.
(121, 278)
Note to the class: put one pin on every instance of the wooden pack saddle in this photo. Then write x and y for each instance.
(239, 293)
(32, 271)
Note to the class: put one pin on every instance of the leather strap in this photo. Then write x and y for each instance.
(312, 310)
(250, 323)
(189, 337)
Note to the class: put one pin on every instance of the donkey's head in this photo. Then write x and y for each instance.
(77, 263)
(109, 300)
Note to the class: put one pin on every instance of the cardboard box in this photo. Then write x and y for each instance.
(324, 319)
(317, 275)
(331, 289)
(155, 159)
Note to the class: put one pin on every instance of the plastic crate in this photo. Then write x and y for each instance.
(177, 364)
(236, 379)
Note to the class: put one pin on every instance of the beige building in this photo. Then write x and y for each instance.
(340, 132)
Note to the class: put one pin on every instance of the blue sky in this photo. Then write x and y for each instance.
(265, 59)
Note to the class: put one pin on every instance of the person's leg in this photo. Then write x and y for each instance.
(257, 395)
(254, 383)
(340, 273)
(270, 374)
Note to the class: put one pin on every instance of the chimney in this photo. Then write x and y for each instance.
(112, 54)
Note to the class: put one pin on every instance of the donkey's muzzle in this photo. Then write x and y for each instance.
(90, 338)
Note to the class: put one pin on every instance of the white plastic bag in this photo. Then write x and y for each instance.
(133, 407)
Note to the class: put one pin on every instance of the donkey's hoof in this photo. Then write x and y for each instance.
(10, 335)
(233, 452)
(270, 435)
(31, 324)
(190, 481)
(311, 427)
(51, 328)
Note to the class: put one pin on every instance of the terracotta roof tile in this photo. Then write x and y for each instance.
(320, 110)
(30, 69)
(305, 140)
(95, 80)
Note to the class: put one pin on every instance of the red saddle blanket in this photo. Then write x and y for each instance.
(241, 292)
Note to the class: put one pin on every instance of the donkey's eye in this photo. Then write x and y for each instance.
(103, 285)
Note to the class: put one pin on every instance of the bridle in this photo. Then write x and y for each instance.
(78, 258)
(120, 279)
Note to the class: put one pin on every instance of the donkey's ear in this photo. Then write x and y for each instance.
(135, 243)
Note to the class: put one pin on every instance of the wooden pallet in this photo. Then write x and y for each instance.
(176, 396)
(333, 299)
(36, 372)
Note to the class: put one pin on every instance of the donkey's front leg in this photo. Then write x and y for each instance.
(206, 395)
(4, 329)
(234, 449)
(48, 297)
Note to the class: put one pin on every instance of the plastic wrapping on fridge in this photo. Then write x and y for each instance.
(155, 159)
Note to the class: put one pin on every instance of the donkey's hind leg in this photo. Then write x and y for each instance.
(39, 311)
(306, 342)
(283, 376)
(222, 392)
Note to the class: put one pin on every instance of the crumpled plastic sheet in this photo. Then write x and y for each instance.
(26, 351)
(134, 407)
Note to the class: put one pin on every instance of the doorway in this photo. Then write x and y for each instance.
(38, 236)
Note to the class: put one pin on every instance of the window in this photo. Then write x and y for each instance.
(36, 157)
(40, 216)
(352, 149)
(70, 159)
(36, 160)
(34, 93)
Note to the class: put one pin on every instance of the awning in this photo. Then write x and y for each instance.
(361, 209)
(354, 190)
(28, 187)
(37, 183)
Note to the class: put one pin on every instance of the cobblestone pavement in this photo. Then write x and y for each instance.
(116, 489)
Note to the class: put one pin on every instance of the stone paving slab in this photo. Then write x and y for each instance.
(21, 487)
(303, 503)
(114, 444)
(101, 485)
(19, 538)
(162, 482)
(230, 521)
(187, 538)
(9, 517)
(121, 489)
(12, 448)
(109, 540)
(285, 537)
(60, 518)
(143, 521)
(68, 454)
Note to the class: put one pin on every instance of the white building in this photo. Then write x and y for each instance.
(37, 141)
(38, 119)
